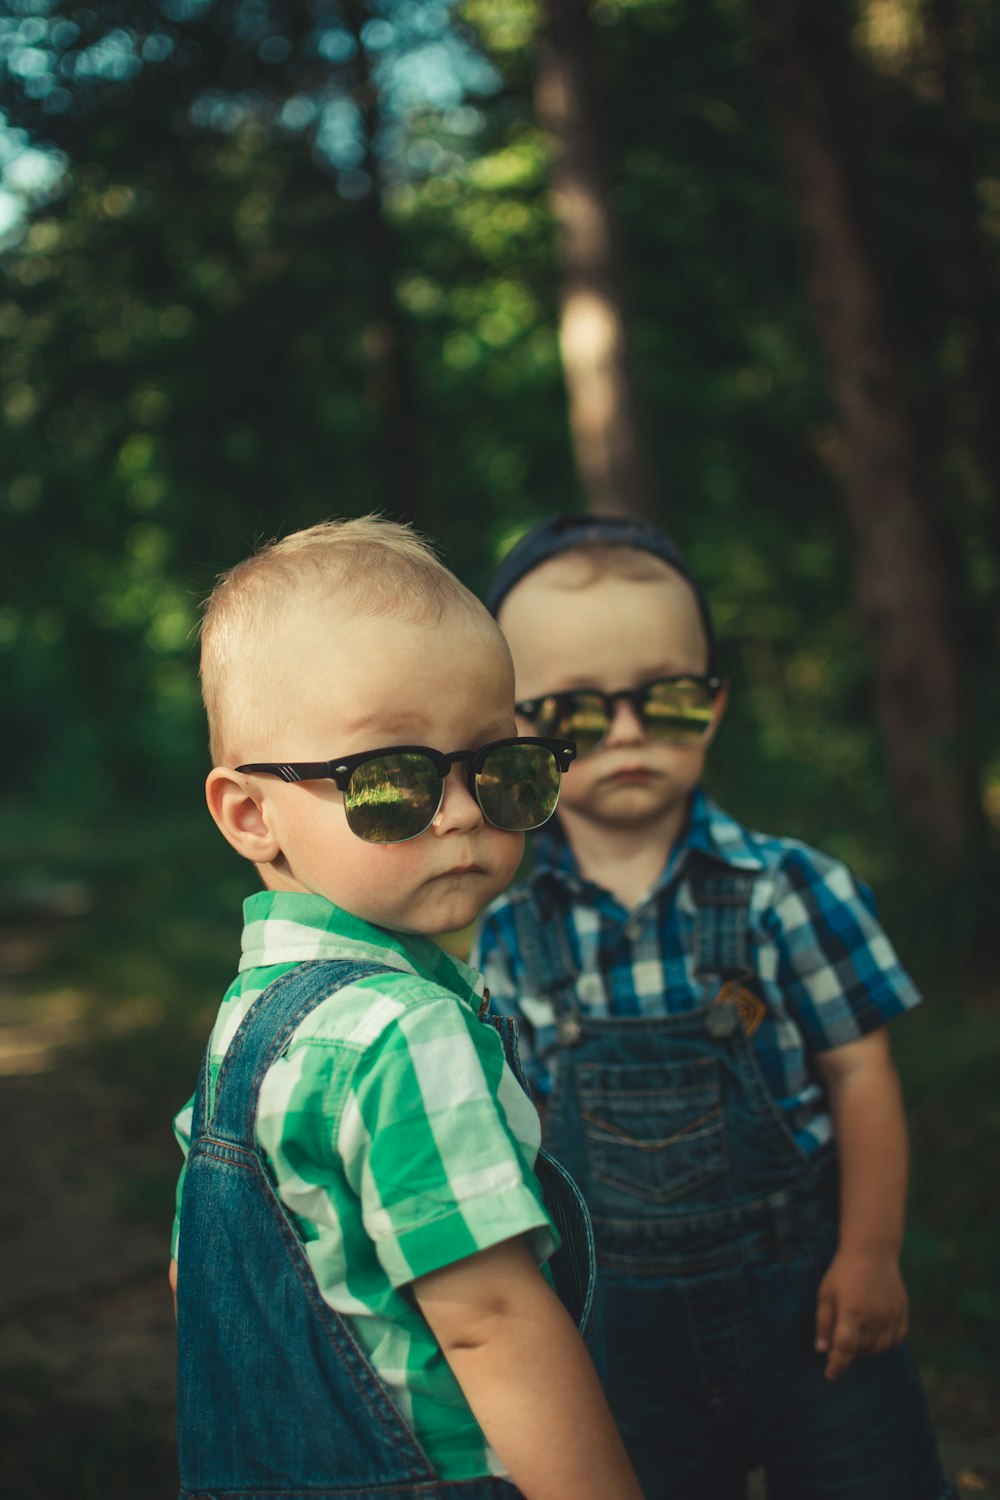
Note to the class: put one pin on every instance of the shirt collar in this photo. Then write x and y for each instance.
(708, 830)
(713, 832)
(287, 927)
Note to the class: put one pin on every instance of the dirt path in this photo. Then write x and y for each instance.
(86, 1336)
(86, 1330)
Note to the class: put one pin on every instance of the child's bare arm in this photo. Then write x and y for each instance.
(524, 1370)
(862, 1306)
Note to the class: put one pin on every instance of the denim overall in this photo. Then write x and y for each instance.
(713, 1232)
(275, 1396)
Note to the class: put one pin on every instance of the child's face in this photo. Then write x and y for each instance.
(361, 684)
(611, 633)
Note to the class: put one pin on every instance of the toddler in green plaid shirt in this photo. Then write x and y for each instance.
(396, 1143)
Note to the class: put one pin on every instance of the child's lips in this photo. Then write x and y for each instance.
(628, 774)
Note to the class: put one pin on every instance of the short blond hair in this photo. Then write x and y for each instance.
(368, 565)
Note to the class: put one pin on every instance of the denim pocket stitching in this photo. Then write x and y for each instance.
(609, 1149)
(651, 1146)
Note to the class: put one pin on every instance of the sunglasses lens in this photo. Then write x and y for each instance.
(392, 798)
(678, 712)
(518, 787)
(573, 716)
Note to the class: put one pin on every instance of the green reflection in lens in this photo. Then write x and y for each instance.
(587, 724)
(392, 797)
(679, 712)
(546, 717)
(518, 787)
(581, 717)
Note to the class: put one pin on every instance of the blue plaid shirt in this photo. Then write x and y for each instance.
(824, 967)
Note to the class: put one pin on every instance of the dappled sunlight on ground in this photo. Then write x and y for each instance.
(86, 1326)
(32, 1031)
(87, 1088)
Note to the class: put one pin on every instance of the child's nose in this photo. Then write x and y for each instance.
(459, 809)
(626, 727)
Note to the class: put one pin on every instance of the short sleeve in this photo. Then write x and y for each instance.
(838, 971)
(438, 1140)
(183, 1125)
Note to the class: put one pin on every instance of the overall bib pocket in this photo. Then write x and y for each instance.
(652, 1132)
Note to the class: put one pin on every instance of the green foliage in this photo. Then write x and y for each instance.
(277, 282)
(199, 327)
(949, 1062)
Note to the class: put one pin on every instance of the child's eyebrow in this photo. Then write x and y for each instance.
(496, 731)
(580, 684)
(380, 731)
(378, 724)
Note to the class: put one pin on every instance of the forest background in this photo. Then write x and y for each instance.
(729, 263)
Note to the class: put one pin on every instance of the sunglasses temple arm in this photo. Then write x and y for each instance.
(313, 770)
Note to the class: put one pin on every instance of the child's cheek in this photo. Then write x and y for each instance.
(509, 855)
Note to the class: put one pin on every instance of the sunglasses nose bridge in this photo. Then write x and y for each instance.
(448, 812)
(632, 722)
(465, 759)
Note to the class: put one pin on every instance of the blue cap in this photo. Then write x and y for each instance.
(565, 533)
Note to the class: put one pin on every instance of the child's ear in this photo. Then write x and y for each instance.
(241, 816)
(718, 709)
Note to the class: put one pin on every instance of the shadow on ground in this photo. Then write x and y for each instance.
(86, 1328)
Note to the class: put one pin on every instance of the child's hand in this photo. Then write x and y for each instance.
(172, 1279)
(862, 1308)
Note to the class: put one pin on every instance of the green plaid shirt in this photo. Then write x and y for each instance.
(397, 1137)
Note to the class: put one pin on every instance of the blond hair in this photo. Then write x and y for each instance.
(368, 565)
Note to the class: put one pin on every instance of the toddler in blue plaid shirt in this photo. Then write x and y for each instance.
(702, 1011)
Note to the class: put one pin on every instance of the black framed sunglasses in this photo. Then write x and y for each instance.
(673, 710)
(394, 794)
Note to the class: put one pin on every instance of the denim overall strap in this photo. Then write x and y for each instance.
(543, 943)
(722, 898)
(275, 1396)
(265, 1032)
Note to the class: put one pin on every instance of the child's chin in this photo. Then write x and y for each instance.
(451, 917)
(455, 921)
(637, 810)
(638, 793)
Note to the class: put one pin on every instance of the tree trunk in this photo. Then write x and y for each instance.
(609, 447)
(904, 593)
(970, 285)
(390, 389)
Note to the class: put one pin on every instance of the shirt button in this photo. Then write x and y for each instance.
(633, 929)
(569, 1031)
(721, 1020)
